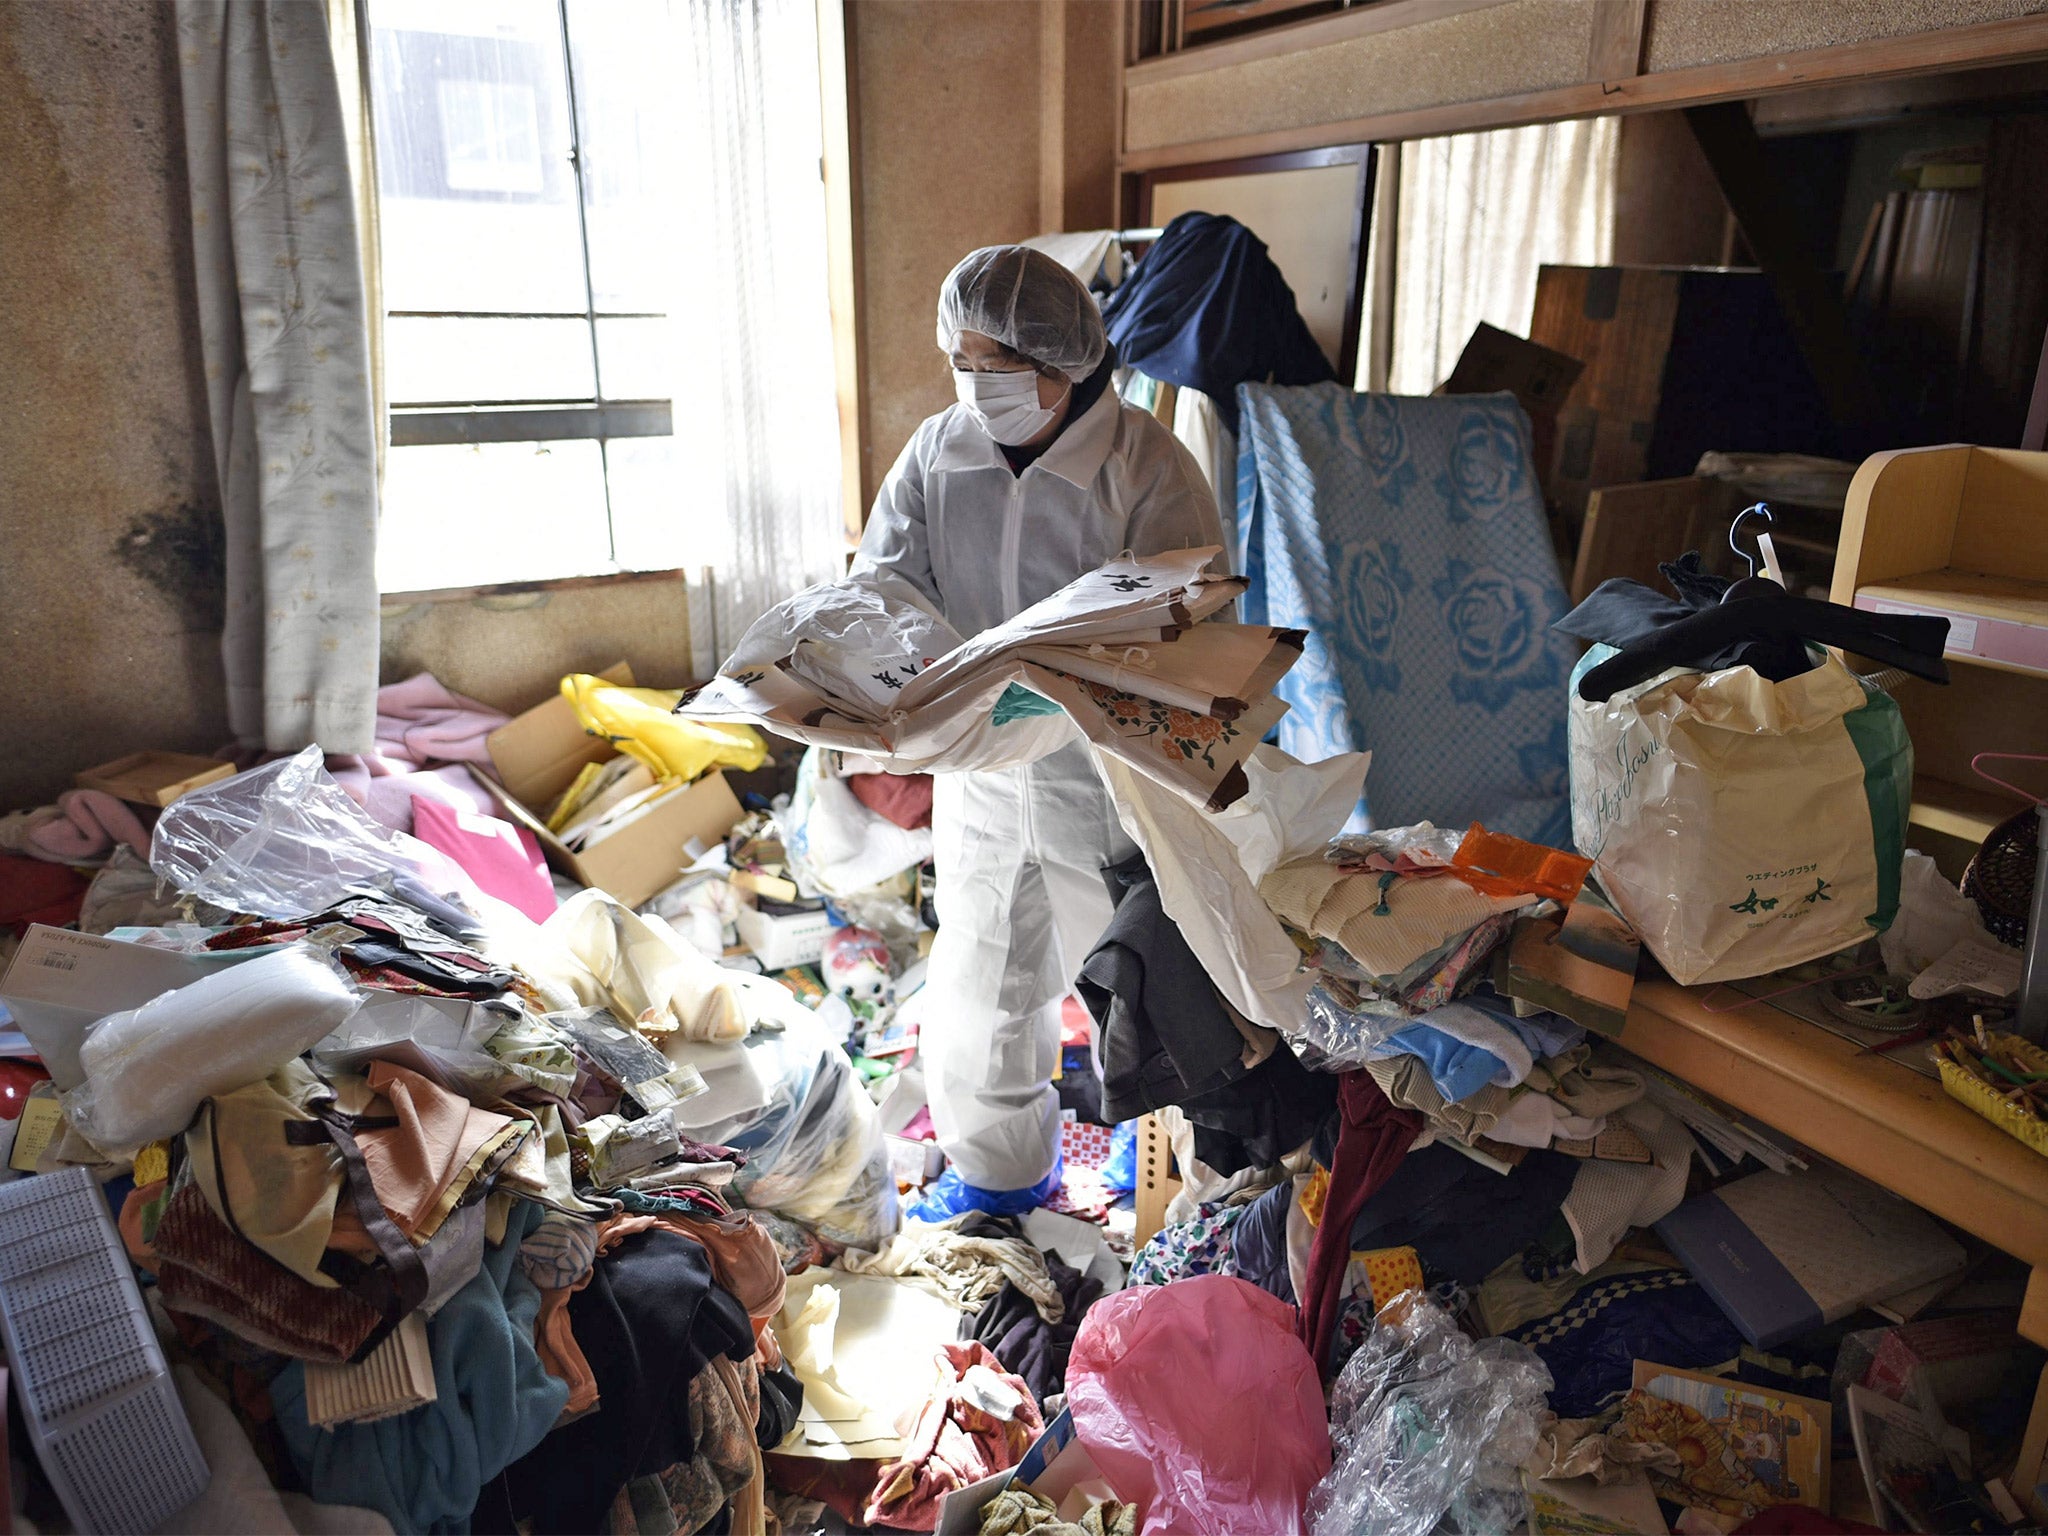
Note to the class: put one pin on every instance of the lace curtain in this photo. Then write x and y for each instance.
(1478, 214)
(756, 413)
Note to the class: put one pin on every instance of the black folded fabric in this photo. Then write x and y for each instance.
(1168, 1038)
(648, 1322)
(1026, 1344)
(1463, 1220)
(782, 1399)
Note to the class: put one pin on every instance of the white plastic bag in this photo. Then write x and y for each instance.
(1934, 917)
(1743, 825)
(148, 1069)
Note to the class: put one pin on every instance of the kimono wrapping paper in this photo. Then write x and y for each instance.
(861, 667)
(1408, 537)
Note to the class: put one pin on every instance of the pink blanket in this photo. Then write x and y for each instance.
(81, 828)
(420, 724)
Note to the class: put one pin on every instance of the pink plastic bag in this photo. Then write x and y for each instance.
(1200, 1406)
(505, 861)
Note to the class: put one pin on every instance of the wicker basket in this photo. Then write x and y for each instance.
(1992, 1105)
(2000, 878)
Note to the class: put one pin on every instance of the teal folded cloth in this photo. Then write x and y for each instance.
(424, 1470)
(1020, 703)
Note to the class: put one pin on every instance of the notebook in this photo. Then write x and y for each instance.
(1785, 1253)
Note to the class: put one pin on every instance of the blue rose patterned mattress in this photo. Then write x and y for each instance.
(1407, 536)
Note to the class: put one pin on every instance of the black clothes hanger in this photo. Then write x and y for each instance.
(1909, 641)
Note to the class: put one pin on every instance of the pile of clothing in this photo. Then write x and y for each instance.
(471, 1219)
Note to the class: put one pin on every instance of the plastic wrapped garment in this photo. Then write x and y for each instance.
(1208, 868)
(839, 846)
(788, 1097)
(640, 722)
(1199, 1461)
(442, 1039)
(1029, 302)
(594, 952)
(147, 1069)
(283, 840)
(1429, 1429)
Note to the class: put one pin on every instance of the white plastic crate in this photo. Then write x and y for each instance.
(101, 1405)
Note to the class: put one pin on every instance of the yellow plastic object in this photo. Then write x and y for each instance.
(2012, 1117)
(638, 722)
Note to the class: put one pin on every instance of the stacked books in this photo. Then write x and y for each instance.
(865, 666)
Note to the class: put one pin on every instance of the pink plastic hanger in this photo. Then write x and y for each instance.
(1977, 767)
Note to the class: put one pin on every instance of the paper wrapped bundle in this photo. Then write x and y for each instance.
(1122, 657)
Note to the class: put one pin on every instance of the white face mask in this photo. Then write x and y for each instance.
(1006, 404)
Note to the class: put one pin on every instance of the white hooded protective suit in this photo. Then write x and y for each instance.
(1020, 851)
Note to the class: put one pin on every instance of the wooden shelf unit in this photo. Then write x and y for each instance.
(1956, 531)
(1960, 531)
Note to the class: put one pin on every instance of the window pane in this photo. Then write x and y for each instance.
(429, 361)
(648, 525)
(477, 194)
(469, 516)
(626, 73)
(634, 357)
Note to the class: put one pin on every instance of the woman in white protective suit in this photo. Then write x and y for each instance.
(1036, 476)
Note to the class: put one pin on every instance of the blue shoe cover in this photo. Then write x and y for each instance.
(950, 1195)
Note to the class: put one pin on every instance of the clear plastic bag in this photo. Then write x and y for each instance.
(1335, 1038)
(790, 1099)
(1429, 1430)
(601, 953)
(1422, 846)
(440, 1038)
(284, 840)
(1200, 1406)
(148, 1069)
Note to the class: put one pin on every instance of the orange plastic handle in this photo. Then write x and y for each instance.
(1501, 865)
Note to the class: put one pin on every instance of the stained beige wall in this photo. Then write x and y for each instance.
(512, 650)
(956, 105)
(110, 586)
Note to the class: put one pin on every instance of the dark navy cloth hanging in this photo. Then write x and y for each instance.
(1207, 309)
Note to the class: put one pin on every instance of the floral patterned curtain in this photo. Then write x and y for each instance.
(284, 329)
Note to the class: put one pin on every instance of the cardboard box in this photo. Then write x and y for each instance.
(61, 982)
(1057, 1467)
(780, 939)
(153, 778)
(539, 753)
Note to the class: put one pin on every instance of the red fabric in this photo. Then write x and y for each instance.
(32, 891)
(1371, 1142)
(954, 1444)
(905, 799)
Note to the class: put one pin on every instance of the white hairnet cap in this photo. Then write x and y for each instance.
(1028, 302)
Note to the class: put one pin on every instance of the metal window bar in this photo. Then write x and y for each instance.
(444, 422)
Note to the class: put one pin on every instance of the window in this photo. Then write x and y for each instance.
(527, 193)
